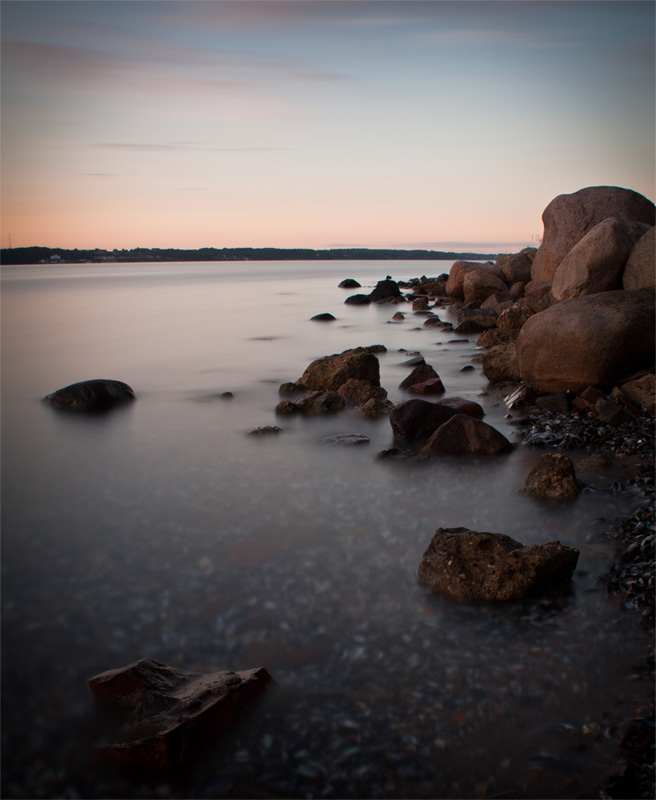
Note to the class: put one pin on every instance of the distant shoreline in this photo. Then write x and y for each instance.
(58, 255)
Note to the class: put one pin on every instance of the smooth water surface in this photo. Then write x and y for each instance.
(161, 530)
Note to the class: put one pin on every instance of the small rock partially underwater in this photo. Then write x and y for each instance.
(98, 394)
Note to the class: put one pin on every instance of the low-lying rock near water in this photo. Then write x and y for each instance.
(158, 715)
(330, 372)
(475, 567)
(416, 420)
(98, 394)
(553, 478)
(466, 435)
(344, 439)
(325, 317)
(349, 283)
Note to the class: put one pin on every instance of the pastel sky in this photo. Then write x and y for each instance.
(317, 123)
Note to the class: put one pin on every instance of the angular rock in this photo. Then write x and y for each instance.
(432, 386)
(500, 364)
(538, 296)
(513, 318)
(416, 419)
(496, 303)
(355, 391)
(374, 408)
(560, 403)
(569, 217)
(474, 567)
(494, 336)
(597, 261)
(517, 266)
(314, 403)
(643, 392)
(399, 316)
(601, 406)
(480, 284)
(290, 388)
(287, 408)
(158, 716)
(483, 318)
(330, 372)
(594, 340)
(517, 290)
(465, 435)
(99, 394)
(553, 478)
(464, 406)
(420, 304)
(349, 283)
(640, 270)
(385, 290)
(422, 372)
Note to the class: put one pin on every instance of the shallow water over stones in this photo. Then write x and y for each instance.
(162, 530)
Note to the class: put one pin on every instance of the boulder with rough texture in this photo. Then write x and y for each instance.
(422, 372)
(479, 284)
(416, 419)
(464, 406)
(553, 478)
(596, 262)
(99, 394)
(158, 716)
(640, 270)
(538, 296)
(330, 372)
(385, 290)
(475, 320)
(465, 435)
(356, 391)
(569, 217)
(643, 392)
(454, 285)
(500, 364)
(517, 266)
(513, 318)
(431, 386)
(374, 408)
(314, 403)
(474, 567)
(594, 340)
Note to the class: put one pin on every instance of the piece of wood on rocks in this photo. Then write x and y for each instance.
(98, 394)
(553, 478)
(479, 567)
(158, 716)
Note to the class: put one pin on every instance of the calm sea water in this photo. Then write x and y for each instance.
(161, 530)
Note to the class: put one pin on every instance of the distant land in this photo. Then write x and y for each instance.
(57, 255)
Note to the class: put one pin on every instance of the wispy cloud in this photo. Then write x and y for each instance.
(164, 147)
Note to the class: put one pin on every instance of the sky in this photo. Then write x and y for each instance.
(317, 123)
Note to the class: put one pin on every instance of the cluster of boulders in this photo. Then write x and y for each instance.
(578, 311)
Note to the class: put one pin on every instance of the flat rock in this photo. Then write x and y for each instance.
(344, 439)
(474, 567)
(98, 394)
(158, 715)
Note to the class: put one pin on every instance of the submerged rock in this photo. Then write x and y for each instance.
(98, 394)
(325, 317)
(158, 715)
(471, 567)
(349, 283)
(345, 439)
(553, 478)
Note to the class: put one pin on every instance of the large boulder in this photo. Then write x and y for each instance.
(640, 270)
(477, 567)
(596, 262)
(479, 284)
(593, 340)
(500, 364)
(330, 372)
(415, 420)
(99, 394)
(466, 435)
(553, 478)
(517, 266)
(454, 285)
(385, 290)
(569, 217)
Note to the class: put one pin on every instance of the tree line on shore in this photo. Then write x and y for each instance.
(36, 255)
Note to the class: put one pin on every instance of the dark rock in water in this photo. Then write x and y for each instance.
(349, 283)
(287, 408)
(265, 431)
(326, 317)
(500, 364)
(385, 290)
(314, 403)
(415, 361)
(422, 372)
(345, 439)
(478, 567)
(290, 388)
(330, 372)
(374, 408)
(468, 368)
(408, 456)
(226, 396)
(432, 386)
(358, 300)
(601, 406)
(465, 435)
(464, 406)
(159, 716)
(553, 478)
(416, 420)
(560, 403)
(95, 395)
(356, 391)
